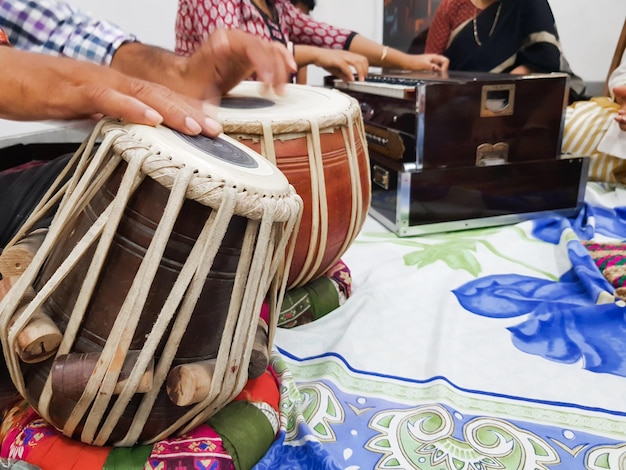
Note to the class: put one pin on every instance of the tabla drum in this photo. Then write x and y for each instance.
(316, 138)
(159, 258)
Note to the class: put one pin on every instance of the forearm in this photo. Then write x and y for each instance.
(306, 55)
(151, 63)
(379, 55)
(45, 87)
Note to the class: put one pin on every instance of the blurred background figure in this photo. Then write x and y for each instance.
(339, 51)
(306, 7)
(512, 36)
(597, 128)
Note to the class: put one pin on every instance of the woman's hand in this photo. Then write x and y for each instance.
(521, 70)
(434, 62)
(343, 64)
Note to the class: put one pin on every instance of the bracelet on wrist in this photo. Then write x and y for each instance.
(383, 55)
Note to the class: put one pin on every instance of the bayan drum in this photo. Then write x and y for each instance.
(162, 252)
(316, 138)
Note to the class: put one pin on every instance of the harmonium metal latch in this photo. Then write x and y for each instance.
(492, 154)
(496, 100)
(380, 176)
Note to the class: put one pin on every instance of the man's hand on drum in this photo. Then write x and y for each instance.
(46, 87)
(225, 58)
(229, 56)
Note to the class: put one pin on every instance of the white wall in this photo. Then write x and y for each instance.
(588, 28)
(151, 20)
(589, 32)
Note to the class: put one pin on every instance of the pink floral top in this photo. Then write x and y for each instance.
(198, 18)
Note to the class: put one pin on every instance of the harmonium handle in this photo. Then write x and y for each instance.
(497, 100)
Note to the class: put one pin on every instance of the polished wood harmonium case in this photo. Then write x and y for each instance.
(465, 150)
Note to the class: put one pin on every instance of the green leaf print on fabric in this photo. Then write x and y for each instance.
(457, 249)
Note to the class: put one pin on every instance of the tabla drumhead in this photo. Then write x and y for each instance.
(220, 158)
(298, 102)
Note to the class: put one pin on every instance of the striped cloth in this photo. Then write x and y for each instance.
(586, 123)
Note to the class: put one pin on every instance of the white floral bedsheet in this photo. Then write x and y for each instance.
(499, 348)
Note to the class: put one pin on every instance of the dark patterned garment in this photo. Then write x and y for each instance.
(503, 36)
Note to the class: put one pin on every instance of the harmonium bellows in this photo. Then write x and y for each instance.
(464, 150)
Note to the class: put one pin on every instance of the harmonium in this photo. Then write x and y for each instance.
(466, 150)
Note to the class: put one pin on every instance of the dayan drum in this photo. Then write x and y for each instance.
(154, 270)
(316, 138)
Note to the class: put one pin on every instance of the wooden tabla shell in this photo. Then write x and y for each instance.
(163, 245)
(316, 138)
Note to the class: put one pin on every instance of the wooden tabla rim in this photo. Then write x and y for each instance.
(305, 112)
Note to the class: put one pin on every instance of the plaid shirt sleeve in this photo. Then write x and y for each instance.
(54, 27)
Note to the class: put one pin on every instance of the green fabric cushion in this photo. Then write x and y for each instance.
(245, 431)
(128, 458)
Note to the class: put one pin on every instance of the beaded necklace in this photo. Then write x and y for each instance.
(493, 26)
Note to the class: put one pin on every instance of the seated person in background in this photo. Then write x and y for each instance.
(597, 128)
(511, 36)
(51, 88)
(334, 49)
(306, 7)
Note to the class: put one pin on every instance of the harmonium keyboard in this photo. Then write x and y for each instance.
(460, 150)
